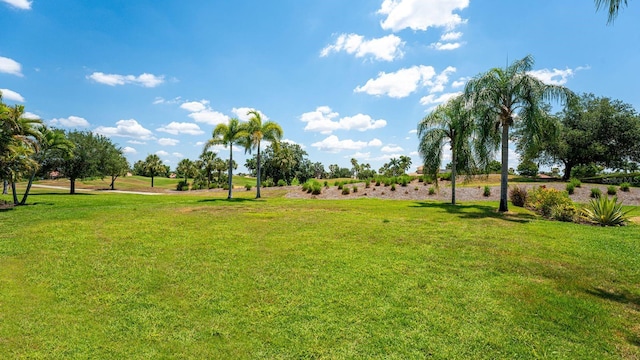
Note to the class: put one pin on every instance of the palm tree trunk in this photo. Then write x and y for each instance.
(258, 180)
(230, 171)
(504, 174)
(453, 175)
(13, 192)
(26, 192)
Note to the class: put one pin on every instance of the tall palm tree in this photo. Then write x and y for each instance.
(227, 135)
(153, 166)
(613, 7)
(207, 164)
(499, 97)
(51, 140)
(257, 131)
(451, 123)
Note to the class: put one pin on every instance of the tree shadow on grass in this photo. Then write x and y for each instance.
(622, 297)
(476, 211)
(60, 193)
(225, 200)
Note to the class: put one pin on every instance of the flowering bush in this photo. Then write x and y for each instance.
(551, 203)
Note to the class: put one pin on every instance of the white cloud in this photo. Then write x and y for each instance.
(387, 48)
(161, 100)
(391, 148)
(175, 128)
(11, 95)
(333, 144)
(375, 143)
(359, 155)
(413, 153)
(403, 82)
(136, 142)
(414, 131)
(450, 36)
(146, 80)
(30, 115)
(242, 113)
(293, 142)
(126, 128)
(321, 120)
(71, 121)
(460, 82)
(421, 14)
(177, 154)
(432, 99)
(445, 46)
(556, 76)
(201, 112)
(199, 143)
(162, 153)
(10, 66)
(168, 142)
(20, 4)
(129, 150)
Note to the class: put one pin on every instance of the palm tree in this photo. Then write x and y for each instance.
(453, 123)
(207, 164)
(50, 142)
(227, 135)
(613, 6)
(186, 168)
(501, 96)
(258, 131)
(153, 166)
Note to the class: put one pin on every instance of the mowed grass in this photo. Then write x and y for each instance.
(131, 276)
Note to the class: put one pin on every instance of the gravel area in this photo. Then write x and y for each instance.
(420, 191)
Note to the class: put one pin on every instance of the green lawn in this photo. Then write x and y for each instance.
(131, 276)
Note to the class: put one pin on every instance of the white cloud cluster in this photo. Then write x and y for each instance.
(391, 148)
(242, 113)
(405, 81)
(161, 100)
(126, 128)
(20, 4)
(460, 82)
(556, 76)
(322, 120)
(333, 144)
(201, 112)
(168, 142)
(432, 99)
(448, 41)
(71, 122)
(146, 80)
(387, 48)
(30, 115)
(11, 95)
(10, 66)
(175, 128)
(129, 150)
(421, 14)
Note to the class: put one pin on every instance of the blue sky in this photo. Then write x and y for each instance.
(343, 78)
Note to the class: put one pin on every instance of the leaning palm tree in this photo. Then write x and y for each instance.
(227, 135)
(258, 131)
(52, 141)
(501, 96)
(451, 123)
(613, 7)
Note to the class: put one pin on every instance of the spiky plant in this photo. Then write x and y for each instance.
(605, 211)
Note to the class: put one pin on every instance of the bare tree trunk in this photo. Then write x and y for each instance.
(230, 171)
(13, 192)
(259, 171)
(151, 180)
(113, 181)
(5, 187)
(504, 175)
(26, 192)
(73, 186)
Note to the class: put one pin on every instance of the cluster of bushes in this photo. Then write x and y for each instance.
(555, 204)
(312, 186)
(403, 180)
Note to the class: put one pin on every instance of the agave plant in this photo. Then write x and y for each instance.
(605, 211)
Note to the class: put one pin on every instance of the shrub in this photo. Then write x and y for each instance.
(268, 183)
(336, 183)
(404, 181)
(445, 176)
(595, 193)
(393, 187)
(248, 187)
(340, 186)
(416, 188)
(564, 212)
(570, 188)
(575, 182)
(306, 186)
(605, 211)
(182, 186)
(518, 196)
(611, 190)
(545, 201)
(326, 183)
(421, 179)
(367, 184)
(316, 188)
(487, 191)
(345, 191)
(295, 181)
(432, 190)
(378, 182)
(355, 189)
(625, 186)
(281, 182)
